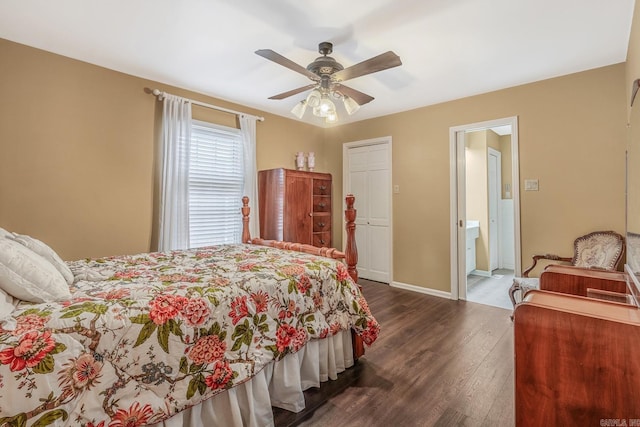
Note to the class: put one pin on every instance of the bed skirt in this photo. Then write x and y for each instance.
(280, 384)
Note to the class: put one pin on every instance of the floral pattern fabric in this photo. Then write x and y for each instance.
(154, 334)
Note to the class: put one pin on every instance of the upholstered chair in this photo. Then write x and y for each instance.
(600, 250)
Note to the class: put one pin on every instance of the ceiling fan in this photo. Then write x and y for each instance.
(327, 75)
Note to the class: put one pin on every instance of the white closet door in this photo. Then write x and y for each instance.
(358, 186)
(369, 181)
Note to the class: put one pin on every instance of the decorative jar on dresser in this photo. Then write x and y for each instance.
(295, 206)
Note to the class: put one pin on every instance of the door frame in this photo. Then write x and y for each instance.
(361, 143)
(457, 199)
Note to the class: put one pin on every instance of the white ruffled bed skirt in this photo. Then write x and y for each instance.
(280, 384)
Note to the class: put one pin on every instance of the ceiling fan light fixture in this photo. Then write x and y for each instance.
(350, 105)
(326, 106)
(313, 100)
(299, 109)
(332, 117)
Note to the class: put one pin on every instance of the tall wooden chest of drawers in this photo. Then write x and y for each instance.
(295, 206)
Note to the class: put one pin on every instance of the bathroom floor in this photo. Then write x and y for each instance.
(491, 290)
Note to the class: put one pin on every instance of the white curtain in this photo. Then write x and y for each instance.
(174, 169)
(248, 131)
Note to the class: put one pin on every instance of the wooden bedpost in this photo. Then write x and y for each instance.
(351, 258)
(351, 250)
(246, 236)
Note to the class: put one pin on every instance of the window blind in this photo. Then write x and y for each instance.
(216, 179)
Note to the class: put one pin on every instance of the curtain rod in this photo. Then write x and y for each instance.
(161, 94)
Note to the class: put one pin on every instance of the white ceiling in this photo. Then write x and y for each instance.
(450, 49)
(502, 130)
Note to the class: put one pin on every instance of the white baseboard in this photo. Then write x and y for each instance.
(482, 273)
(421, 290)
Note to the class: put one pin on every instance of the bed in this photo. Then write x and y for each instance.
(208, 336)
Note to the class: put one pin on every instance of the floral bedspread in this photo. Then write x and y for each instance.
(146, 336)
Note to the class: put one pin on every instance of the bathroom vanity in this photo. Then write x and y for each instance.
(473, 232)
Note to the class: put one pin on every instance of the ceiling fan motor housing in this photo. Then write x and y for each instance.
(324, 65)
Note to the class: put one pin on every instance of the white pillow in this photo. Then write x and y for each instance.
(28, 276)
(7, 305)
(5, 233)
(47, 253)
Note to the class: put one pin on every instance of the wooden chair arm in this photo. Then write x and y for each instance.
(536, 258)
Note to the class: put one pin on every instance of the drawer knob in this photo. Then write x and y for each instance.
(321, 224)
(323, 187)
(322, 241)
(322, 204)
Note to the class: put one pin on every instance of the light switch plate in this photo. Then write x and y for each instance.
(396, 189)
(530, 185)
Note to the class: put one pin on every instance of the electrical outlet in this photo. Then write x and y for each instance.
(530, 185)
(396, 189)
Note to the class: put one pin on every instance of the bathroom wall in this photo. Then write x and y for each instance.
(476, 194)
(507, 169)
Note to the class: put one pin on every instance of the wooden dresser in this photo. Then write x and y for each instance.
(575, 356)
(295, 206)
(568, 279)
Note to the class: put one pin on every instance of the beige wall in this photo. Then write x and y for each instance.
(493, 140)
(506, 166)
(571, 138)
(477, 207)
(77, 150)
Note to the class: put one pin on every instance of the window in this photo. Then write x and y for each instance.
(216, 180)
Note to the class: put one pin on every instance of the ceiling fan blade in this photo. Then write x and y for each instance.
(279, 59)
(377, 63)
(284, 95)
(356, 95)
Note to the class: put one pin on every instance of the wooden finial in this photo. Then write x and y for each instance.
(351, 250)
(246, 235)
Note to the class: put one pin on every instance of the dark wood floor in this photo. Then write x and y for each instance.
(437, 362)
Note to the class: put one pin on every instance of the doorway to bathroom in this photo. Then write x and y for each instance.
(485, 216)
